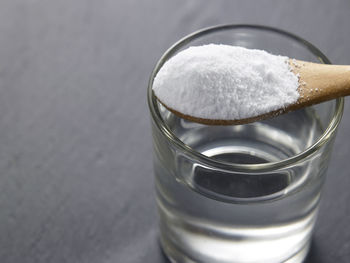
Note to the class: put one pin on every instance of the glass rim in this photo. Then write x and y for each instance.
(243, 168)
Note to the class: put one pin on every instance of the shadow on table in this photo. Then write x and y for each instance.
(312, 257)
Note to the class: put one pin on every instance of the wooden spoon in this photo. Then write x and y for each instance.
(317, 83)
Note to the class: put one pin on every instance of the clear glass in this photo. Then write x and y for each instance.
(244, 193)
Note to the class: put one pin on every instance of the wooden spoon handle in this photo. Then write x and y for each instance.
(321, 82)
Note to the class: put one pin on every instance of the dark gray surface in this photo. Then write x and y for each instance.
(76, 179)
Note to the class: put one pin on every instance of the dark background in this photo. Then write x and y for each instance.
(76, 180)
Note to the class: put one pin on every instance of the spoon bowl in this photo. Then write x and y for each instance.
(317, 83)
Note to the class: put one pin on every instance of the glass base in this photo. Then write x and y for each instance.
(175, 256)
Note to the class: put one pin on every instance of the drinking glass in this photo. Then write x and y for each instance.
(241, 193)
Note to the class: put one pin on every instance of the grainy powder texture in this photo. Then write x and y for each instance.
(225, 82)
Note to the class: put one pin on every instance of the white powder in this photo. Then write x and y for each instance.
(222, 82)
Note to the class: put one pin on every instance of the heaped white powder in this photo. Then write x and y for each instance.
(222, 82)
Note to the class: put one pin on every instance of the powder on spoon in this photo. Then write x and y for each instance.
(222, 82)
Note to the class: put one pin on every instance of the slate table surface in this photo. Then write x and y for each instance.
(76, 181)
